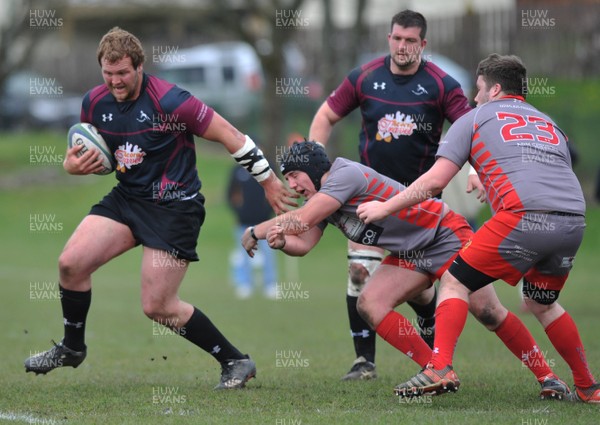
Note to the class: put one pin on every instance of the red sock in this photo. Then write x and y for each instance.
(450, 319)
(520, 342)
(398, 331)
(565, 337)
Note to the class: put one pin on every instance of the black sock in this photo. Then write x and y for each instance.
(200, 330)
(75, 306)
(362, 334)
(426, 312)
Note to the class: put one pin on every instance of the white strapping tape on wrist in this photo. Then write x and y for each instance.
(258, 166)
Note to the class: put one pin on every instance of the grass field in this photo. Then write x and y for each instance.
(136, 373)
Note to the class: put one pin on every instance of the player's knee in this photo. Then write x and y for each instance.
(487, 318)
(489, 315)
(361, 265)
(155, 310)
(358, 274)
(357, 277)
(70, 267)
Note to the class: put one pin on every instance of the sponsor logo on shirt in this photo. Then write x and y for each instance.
(356, 230)
(395, 126)
(567, 262)
(128, 155)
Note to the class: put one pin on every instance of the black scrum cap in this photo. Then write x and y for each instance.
(309, 157)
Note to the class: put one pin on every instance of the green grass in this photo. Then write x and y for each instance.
(129, 361)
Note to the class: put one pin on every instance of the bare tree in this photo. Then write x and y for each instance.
(16, 38)
(256, 22)
(339, 54)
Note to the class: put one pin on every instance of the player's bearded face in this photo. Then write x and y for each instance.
(122, 79)
(405, 46)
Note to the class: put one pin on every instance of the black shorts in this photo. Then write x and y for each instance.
(171, 226)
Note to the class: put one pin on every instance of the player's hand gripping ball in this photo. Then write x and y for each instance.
(87, 135)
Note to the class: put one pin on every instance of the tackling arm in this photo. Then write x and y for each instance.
(296, 222)
(293, 245)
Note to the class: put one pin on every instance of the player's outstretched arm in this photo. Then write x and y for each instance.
(88, 163)
(428, 185)
(322, 124)
(293, 245)
(245, 152)
(305, 218)
(250, 238)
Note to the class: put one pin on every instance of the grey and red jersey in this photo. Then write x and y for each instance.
(352, 183)
(520, 156)
(402, 116)
(152, 137)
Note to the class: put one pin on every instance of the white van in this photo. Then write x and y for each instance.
(226, 76)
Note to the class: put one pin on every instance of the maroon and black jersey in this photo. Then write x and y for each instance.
(151, 138)
(402, 116)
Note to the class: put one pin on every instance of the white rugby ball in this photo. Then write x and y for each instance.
(87, 135)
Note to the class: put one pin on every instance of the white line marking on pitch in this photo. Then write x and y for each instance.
(27, 418)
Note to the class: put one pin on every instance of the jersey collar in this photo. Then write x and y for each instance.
(510, 96)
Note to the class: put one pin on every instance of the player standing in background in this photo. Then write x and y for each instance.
(422, 242)
(403, 101)
(249, 205)
(149, 125)
(536, 229)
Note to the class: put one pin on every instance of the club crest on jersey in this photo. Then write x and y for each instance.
(143, 117)
(420, 90)
(128, 155)
(394, 126)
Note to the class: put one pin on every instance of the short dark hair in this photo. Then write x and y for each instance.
(408, 18)
(508, 71)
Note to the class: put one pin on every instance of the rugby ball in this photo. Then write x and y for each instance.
(87, 135)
